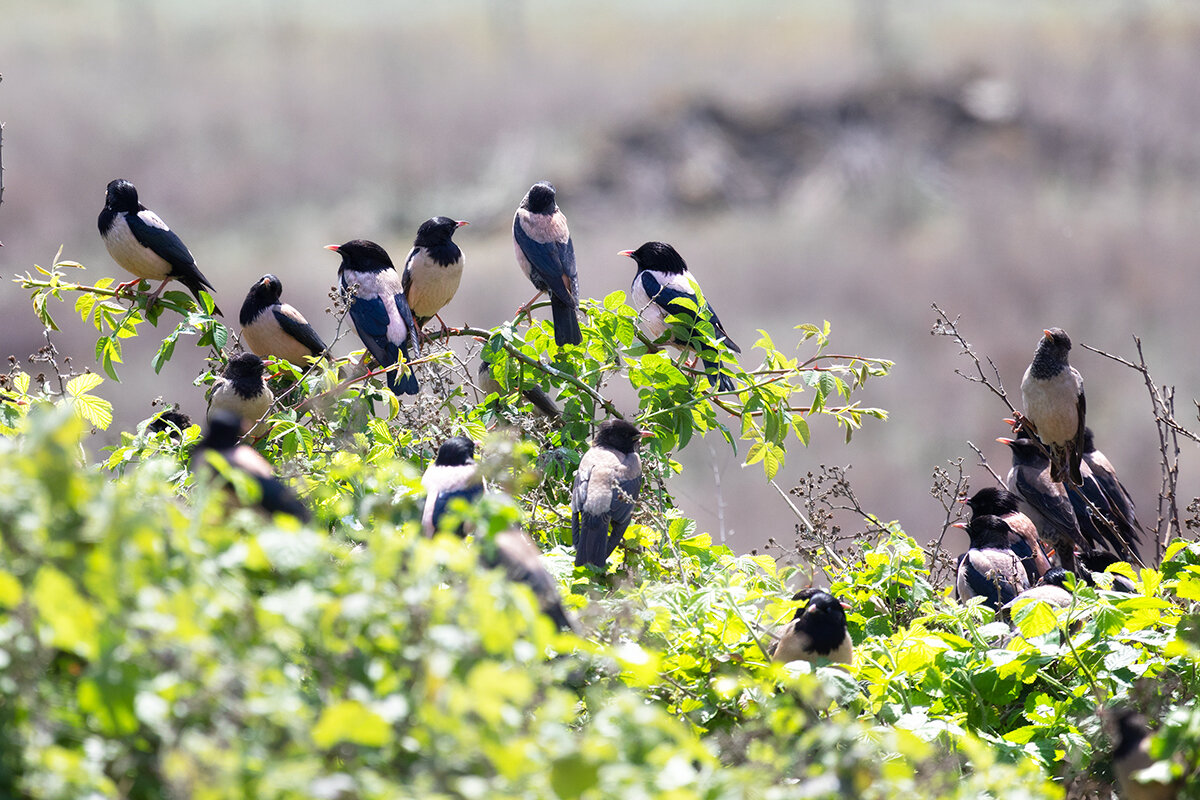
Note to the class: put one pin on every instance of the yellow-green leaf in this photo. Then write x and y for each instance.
(350, 721)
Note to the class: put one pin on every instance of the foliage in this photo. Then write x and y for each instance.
(156, 641)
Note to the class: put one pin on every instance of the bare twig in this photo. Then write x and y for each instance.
(944, 326)
(1162, 402)
(983, 462)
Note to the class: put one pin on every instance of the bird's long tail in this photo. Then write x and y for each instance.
(591, 547)
(194, 286)
(566, 323)
(541, 401)
(718, 378)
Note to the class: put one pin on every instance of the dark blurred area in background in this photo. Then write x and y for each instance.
(1022, 165)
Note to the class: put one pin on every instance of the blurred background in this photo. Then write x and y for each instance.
(1023, 165)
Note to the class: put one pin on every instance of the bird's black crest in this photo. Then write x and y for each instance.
(246, 365)
(988, 530)
(435, 231)
(540, 198)
(618, 434)
(363, 255)
(456, 452)
(265, 293)
(659, 256)
(121, 195)
(822, 618)
(1089, 441)
(993, 500)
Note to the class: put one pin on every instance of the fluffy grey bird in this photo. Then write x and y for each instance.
(242, 390)
(817, 631)
(272, 328)
(221, 438)
(1052, 393)
(606, 490)
(433, 268)
(990, 569)
(140, 242)
(546, 255)
(453, 474)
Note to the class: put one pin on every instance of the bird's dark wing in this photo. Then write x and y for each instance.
(299, 329)
(406, 276)
(554, 263)
(468, 494)
(1119, 500)
(1022, 550)
(279, 497)
(410, 323)
(589, 531)
(1077, 443)
(986, 574)
(625, 495)
(1052, 503)
(370, 319)
(153, 233)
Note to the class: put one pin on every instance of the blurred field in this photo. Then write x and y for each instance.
(1023, 165)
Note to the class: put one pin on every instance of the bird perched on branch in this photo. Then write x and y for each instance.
(1099, 522)
(817, 631)
(990, 569)
(546, 255)
(242, 391)
(606, 490)
(663, 287)
(433, 268)
(1045, 500)
(380, 310)
(141, 243)
(221, 438)
(453, 474)
(1024, 540)
(275, 329)
(1052, 392)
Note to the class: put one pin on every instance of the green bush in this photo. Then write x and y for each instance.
(157, 641)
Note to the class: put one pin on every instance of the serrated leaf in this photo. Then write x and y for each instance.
(81, 384)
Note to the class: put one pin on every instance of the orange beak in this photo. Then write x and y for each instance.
(1002, 440)
(333, 247)
(626, 253)
(462, 222)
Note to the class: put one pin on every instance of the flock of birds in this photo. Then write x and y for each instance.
(1066, 512)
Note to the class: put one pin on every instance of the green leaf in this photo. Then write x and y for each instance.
(350, 721)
